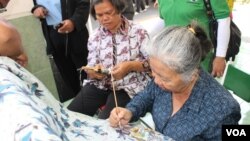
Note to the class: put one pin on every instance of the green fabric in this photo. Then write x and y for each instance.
(239, 82)
(181, 12)
(206, 63)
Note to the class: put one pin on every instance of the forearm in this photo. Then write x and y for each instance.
(138, 66)
(142, 102)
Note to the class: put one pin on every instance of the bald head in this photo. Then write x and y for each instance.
(10, 40)
(3, 3)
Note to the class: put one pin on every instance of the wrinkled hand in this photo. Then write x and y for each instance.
(120, 70)
(120, 116)
(68, 26)
(219, 65)
(40, 12)
(92, 73)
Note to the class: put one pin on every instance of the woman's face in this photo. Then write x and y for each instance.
(107, 16)
(166, 78)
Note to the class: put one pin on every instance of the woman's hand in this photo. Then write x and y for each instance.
(119, 116)
(121, 70)
(93, 73)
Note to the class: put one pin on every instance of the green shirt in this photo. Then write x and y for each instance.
(182, 12)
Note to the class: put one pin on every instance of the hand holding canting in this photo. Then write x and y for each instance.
(119, 116)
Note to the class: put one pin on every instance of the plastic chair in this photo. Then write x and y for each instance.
(238, 81)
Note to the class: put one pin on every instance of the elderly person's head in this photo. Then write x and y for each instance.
(3, 3)
(10, 43)
(108, 12)
(176, 54)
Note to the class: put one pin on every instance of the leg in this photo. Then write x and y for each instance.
(138, 5)
(88, 100)
(122, 100)
(78, 50)
(142, 5)
(65, 65)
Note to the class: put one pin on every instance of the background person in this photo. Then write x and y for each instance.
(11, 44)
(116, 44)
(68, 42)
(129, 11)
(185, 101)
(29, 111)
(3, 3)
(195, 10)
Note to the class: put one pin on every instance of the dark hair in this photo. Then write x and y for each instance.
(119, 5)
(206, 44)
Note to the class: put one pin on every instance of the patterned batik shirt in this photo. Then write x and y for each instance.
(128, 42)
(200, 118)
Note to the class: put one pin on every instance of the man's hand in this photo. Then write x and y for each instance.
(67, 27)
(40, 12)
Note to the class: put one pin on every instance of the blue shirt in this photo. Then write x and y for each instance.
(201, 117)
(53, 7)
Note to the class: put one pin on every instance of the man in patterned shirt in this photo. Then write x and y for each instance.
(117, 45)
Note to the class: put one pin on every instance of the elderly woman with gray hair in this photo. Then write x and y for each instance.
(186, 102)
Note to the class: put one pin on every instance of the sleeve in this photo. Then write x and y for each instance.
(93, 51)
(221, 12)
(144, 41)
(223, 36)
(142, 102)
(214, 132)
(81, 14)
(226, 114)
(220, 8)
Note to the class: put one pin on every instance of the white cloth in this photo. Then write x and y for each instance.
(28, 111)
(223, 36)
